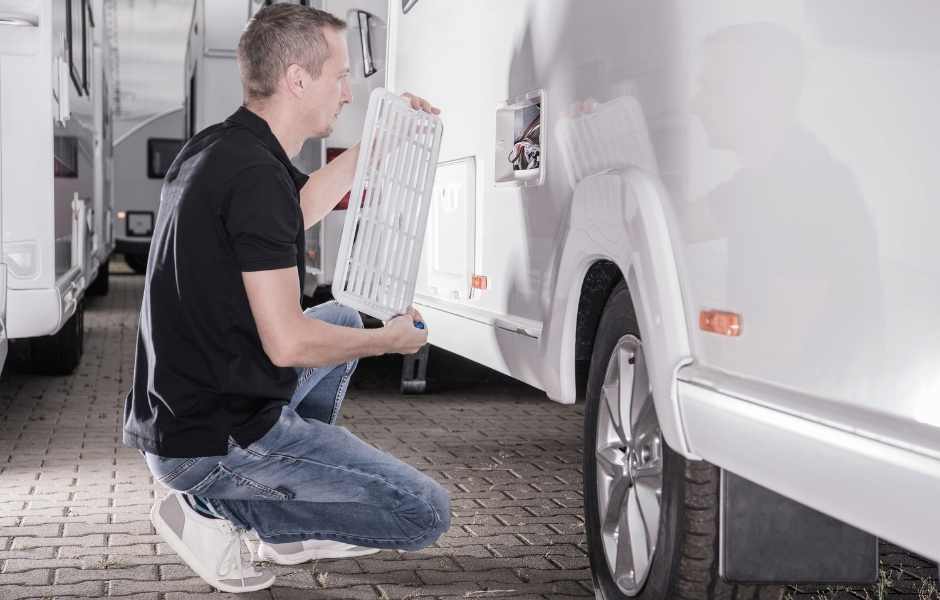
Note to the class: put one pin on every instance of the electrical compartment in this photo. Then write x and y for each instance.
(520, 147)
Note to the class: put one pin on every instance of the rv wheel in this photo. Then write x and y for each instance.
(137, 262)
(57, 354)
(101, 283)
(651, 516)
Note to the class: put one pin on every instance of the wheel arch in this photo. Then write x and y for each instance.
(619, 223)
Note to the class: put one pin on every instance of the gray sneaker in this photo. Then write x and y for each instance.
(211, 547)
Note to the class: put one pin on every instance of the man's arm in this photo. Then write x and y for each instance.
(327, 186)
(292, 340)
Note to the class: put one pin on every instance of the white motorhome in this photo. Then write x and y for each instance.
(213, 92)
(713, 220)
(55, 176)
(143, 155)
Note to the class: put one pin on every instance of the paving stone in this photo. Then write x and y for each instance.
(34, 576)
(16, 565)
(88, 589)
(80, 551)
(37, 542)
(45, 552)
(44, 530)
(372, 565)
(140, 573)
(357, 592)
(493, 575)
(123, 587)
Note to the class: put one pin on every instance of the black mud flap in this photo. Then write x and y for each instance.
(768, 538)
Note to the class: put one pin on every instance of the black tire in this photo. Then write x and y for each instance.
(137, 262)
(57, 354)
(101, 283)
(685, 561)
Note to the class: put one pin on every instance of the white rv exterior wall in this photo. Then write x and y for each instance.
(36, 96)
(777, 161)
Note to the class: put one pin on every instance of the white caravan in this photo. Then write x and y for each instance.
(142, 156)
(714, 220)
(213, 92)
(55, 176)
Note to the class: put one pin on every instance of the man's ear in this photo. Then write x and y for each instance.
(295, 80)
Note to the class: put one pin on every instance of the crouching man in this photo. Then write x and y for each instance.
(236, 391)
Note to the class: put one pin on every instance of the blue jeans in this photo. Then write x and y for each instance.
(307, 478)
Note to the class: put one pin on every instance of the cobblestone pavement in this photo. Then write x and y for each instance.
(74, 502)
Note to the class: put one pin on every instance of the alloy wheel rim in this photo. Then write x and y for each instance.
(629, 467)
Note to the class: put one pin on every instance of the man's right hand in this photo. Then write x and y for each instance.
(402, 337)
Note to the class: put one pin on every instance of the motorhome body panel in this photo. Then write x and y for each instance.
(54, 132)
(137, 185)
(26, 112)
(790, 197)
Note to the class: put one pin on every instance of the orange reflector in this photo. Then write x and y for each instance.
(720, 322)
(479, 282)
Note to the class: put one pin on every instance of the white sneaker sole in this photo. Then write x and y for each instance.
(183, 551)
(302, 557)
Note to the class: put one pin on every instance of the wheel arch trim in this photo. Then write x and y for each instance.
(620, 216)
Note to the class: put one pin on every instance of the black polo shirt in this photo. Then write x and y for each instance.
(230, 203)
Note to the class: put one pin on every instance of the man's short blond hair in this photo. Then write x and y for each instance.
(277, 37)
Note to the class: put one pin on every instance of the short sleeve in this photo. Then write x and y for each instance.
(263, 220)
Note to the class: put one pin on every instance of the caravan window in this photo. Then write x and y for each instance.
(77, 17)
(65, 156)
(160, 155)
(365, 40)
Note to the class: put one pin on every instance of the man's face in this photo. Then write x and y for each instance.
(327, 94)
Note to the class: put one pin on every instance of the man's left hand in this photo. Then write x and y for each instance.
(418, 103)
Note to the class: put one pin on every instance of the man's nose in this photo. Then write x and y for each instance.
(347, 93)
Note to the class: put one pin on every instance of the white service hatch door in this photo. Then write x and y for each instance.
(449, 248)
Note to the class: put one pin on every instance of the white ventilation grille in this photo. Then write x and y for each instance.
(380, 249)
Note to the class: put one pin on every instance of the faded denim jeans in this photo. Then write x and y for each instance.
(308, 478)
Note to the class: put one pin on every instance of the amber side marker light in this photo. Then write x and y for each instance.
(720, 322)
(479, 282)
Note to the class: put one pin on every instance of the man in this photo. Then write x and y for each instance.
(236, 390)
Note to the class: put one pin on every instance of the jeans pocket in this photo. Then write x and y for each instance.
(227, 484)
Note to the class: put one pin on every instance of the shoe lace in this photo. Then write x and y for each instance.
(232, 555)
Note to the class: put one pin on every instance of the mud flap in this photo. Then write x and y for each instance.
(768, 538)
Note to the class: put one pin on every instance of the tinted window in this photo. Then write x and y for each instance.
(74, 33)
(160, 155)
(65, 155)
